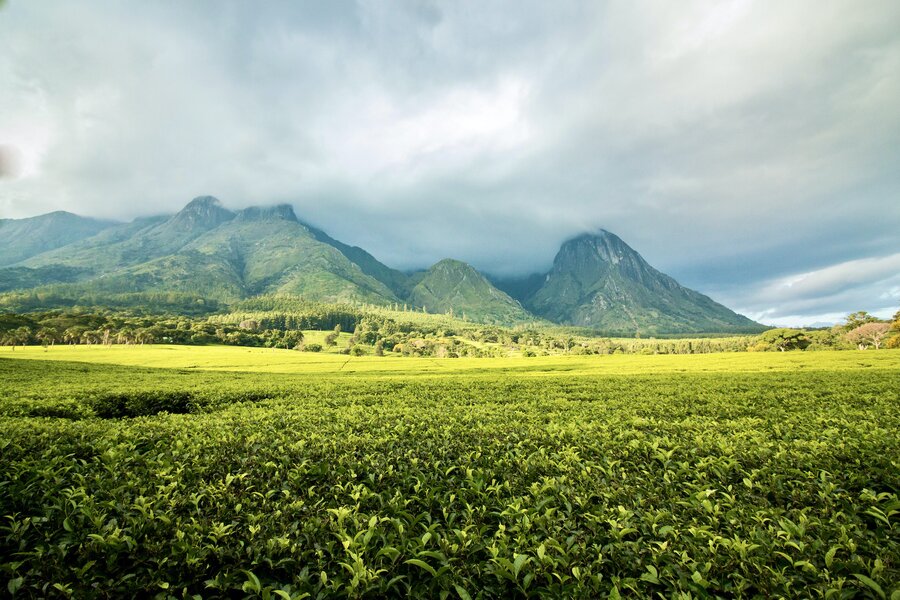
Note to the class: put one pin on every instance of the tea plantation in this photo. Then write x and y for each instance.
(647, 477)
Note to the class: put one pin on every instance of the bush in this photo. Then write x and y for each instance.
(312, 347)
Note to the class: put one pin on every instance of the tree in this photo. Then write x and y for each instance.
(870, 334)
(785, 339)
(250, 324)
(292, 339)
(73, 334)
(22, 336)
(894, 341)
(331, 339)
(858, 318)
(47, 336)
(144, 336)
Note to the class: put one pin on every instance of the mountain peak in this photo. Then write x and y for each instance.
(599, 281)
(454, 285)
(202, 203)
(203, 212)
(279, 212)
(589, 247)
(451, 264)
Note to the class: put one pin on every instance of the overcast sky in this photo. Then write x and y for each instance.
(749, 149)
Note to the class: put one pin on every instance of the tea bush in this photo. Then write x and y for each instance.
(688, 485)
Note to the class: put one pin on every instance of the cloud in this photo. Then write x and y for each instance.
(825, 295)
(734, 144)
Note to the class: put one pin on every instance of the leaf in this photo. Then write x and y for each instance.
(614, 594)
(14, 584)
(652, 575)
(252, 582)
(464, 594)
(874, 586)
(877, 514)
(829, 556)
(422, 565)
(519, 562)
(389, 551)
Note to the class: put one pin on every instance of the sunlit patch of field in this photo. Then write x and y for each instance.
(232, 358)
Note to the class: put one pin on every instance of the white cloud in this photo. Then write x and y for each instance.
(825, 295)
(734, 144)
(834, 279)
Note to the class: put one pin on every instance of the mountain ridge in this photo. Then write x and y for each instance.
(596, 281)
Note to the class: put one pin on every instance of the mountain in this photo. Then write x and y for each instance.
(451, 285)
(207, 251)
(140, 241)
(23, 238)
(598, 281)
(396, 281)
(270, 251)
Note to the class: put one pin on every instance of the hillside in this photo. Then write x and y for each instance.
(205, 250)
(598, 281)
(23, 238)
(456, 287)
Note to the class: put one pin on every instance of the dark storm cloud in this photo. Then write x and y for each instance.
(737, 145)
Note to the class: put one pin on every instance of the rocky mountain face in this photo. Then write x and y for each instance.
(596, 281)
(600, 282)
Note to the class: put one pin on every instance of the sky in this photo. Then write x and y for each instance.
(749, 149)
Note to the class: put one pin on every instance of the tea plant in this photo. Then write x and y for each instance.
(121, 481)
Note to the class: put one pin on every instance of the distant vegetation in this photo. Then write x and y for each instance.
(286, 322)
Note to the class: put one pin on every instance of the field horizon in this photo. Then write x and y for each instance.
(274, 360)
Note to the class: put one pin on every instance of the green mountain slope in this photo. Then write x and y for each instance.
(396, 281)
(454, 285)
(21, 239)
(140, 241)
(205, 250)
(274, 253)
(598, 281)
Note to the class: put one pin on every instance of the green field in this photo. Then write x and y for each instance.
(178, 472)
(270, 360)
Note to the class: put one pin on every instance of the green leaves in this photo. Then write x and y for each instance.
(870, 584)
(14, 584)
(685, 485)
(422, 565)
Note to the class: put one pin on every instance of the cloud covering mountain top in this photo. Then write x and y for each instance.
(736, 145)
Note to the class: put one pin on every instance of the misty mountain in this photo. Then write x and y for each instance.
(23, 238)
(597, 281)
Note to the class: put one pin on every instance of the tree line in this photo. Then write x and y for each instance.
(374, 332)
